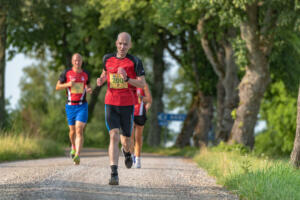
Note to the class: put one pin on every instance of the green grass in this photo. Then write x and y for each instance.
(172, 151)
(23, 147)
(245, 174)
(251, 177)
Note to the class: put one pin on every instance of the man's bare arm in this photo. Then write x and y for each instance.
(101, 80)
(61, 86)
(139, 82)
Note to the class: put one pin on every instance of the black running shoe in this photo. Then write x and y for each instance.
(114, 180)
(128, 158)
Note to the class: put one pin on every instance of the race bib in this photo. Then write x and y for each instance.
(117, 82)
(77, 88)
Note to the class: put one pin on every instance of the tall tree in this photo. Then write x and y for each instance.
(216, 38)
(295, 155)
(189, 124)
(220, 53)
(259, 24)
(260, 21)
(8, 11)
(197, 71)
(157, 89)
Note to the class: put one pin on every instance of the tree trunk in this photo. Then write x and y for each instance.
(220, 135)
(154, 134)
(221, 57)
(253, 84)
(231, 99)
(295, 155)
(2, 64)
(183, 139)
(204, 121)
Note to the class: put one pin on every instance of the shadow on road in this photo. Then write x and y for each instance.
(80, 191)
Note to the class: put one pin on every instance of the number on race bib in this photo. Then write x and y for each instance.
(117, 82)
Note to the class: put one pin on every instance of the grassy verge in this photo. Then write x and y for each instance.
(251, 177)
(245, 174)
(172, 151)
(22, 147)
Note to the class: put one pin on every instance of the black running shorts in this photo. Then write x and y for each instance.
(140, 120)
(119, 117)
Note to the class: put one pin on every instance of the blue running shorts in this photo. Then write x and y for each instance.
(77, 113)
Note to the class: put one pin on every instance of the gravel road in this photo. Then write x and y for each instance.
(57, 178)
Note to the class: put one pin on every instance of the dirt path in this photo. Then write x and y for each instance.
(57, 178)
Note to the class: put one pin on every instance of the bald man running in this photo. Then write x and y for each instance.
(123, 73)
(76, 82)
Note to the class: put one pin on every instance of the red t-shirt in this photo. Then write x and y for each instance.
(77, 93)
(139, 108)
(120, 93)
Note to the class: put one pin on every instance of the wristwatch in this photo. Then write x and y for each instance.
(127, 79)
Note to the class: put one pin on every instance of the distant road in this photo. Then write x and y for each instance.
(160, 178)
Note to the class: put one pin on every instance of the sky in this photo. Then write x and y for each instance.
(13, 76)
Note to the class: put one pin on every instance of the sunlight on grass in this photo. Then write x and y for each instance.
(23, 147)
(251, 177)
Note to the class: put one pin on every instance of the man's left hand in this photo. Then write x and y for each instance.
(89, 90)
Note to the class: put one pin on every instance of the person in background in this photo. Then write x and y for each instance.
(140, 110)
(76, 82)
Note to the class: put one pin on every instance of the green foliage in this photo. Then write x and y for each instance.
(113, 10)
(58, 29)
(41, 111)
(180, 18)
(177, 16)
(233, 114)
(285, 61)
(240, 54)
(279, 110)
(239, 148)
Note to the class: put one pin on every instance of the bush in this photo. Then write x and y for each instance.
(279, 109)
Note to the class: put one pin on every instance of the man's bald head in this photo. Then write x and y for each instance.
(76, 60)
(124, 35)
(123, 44)
(76, 55)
